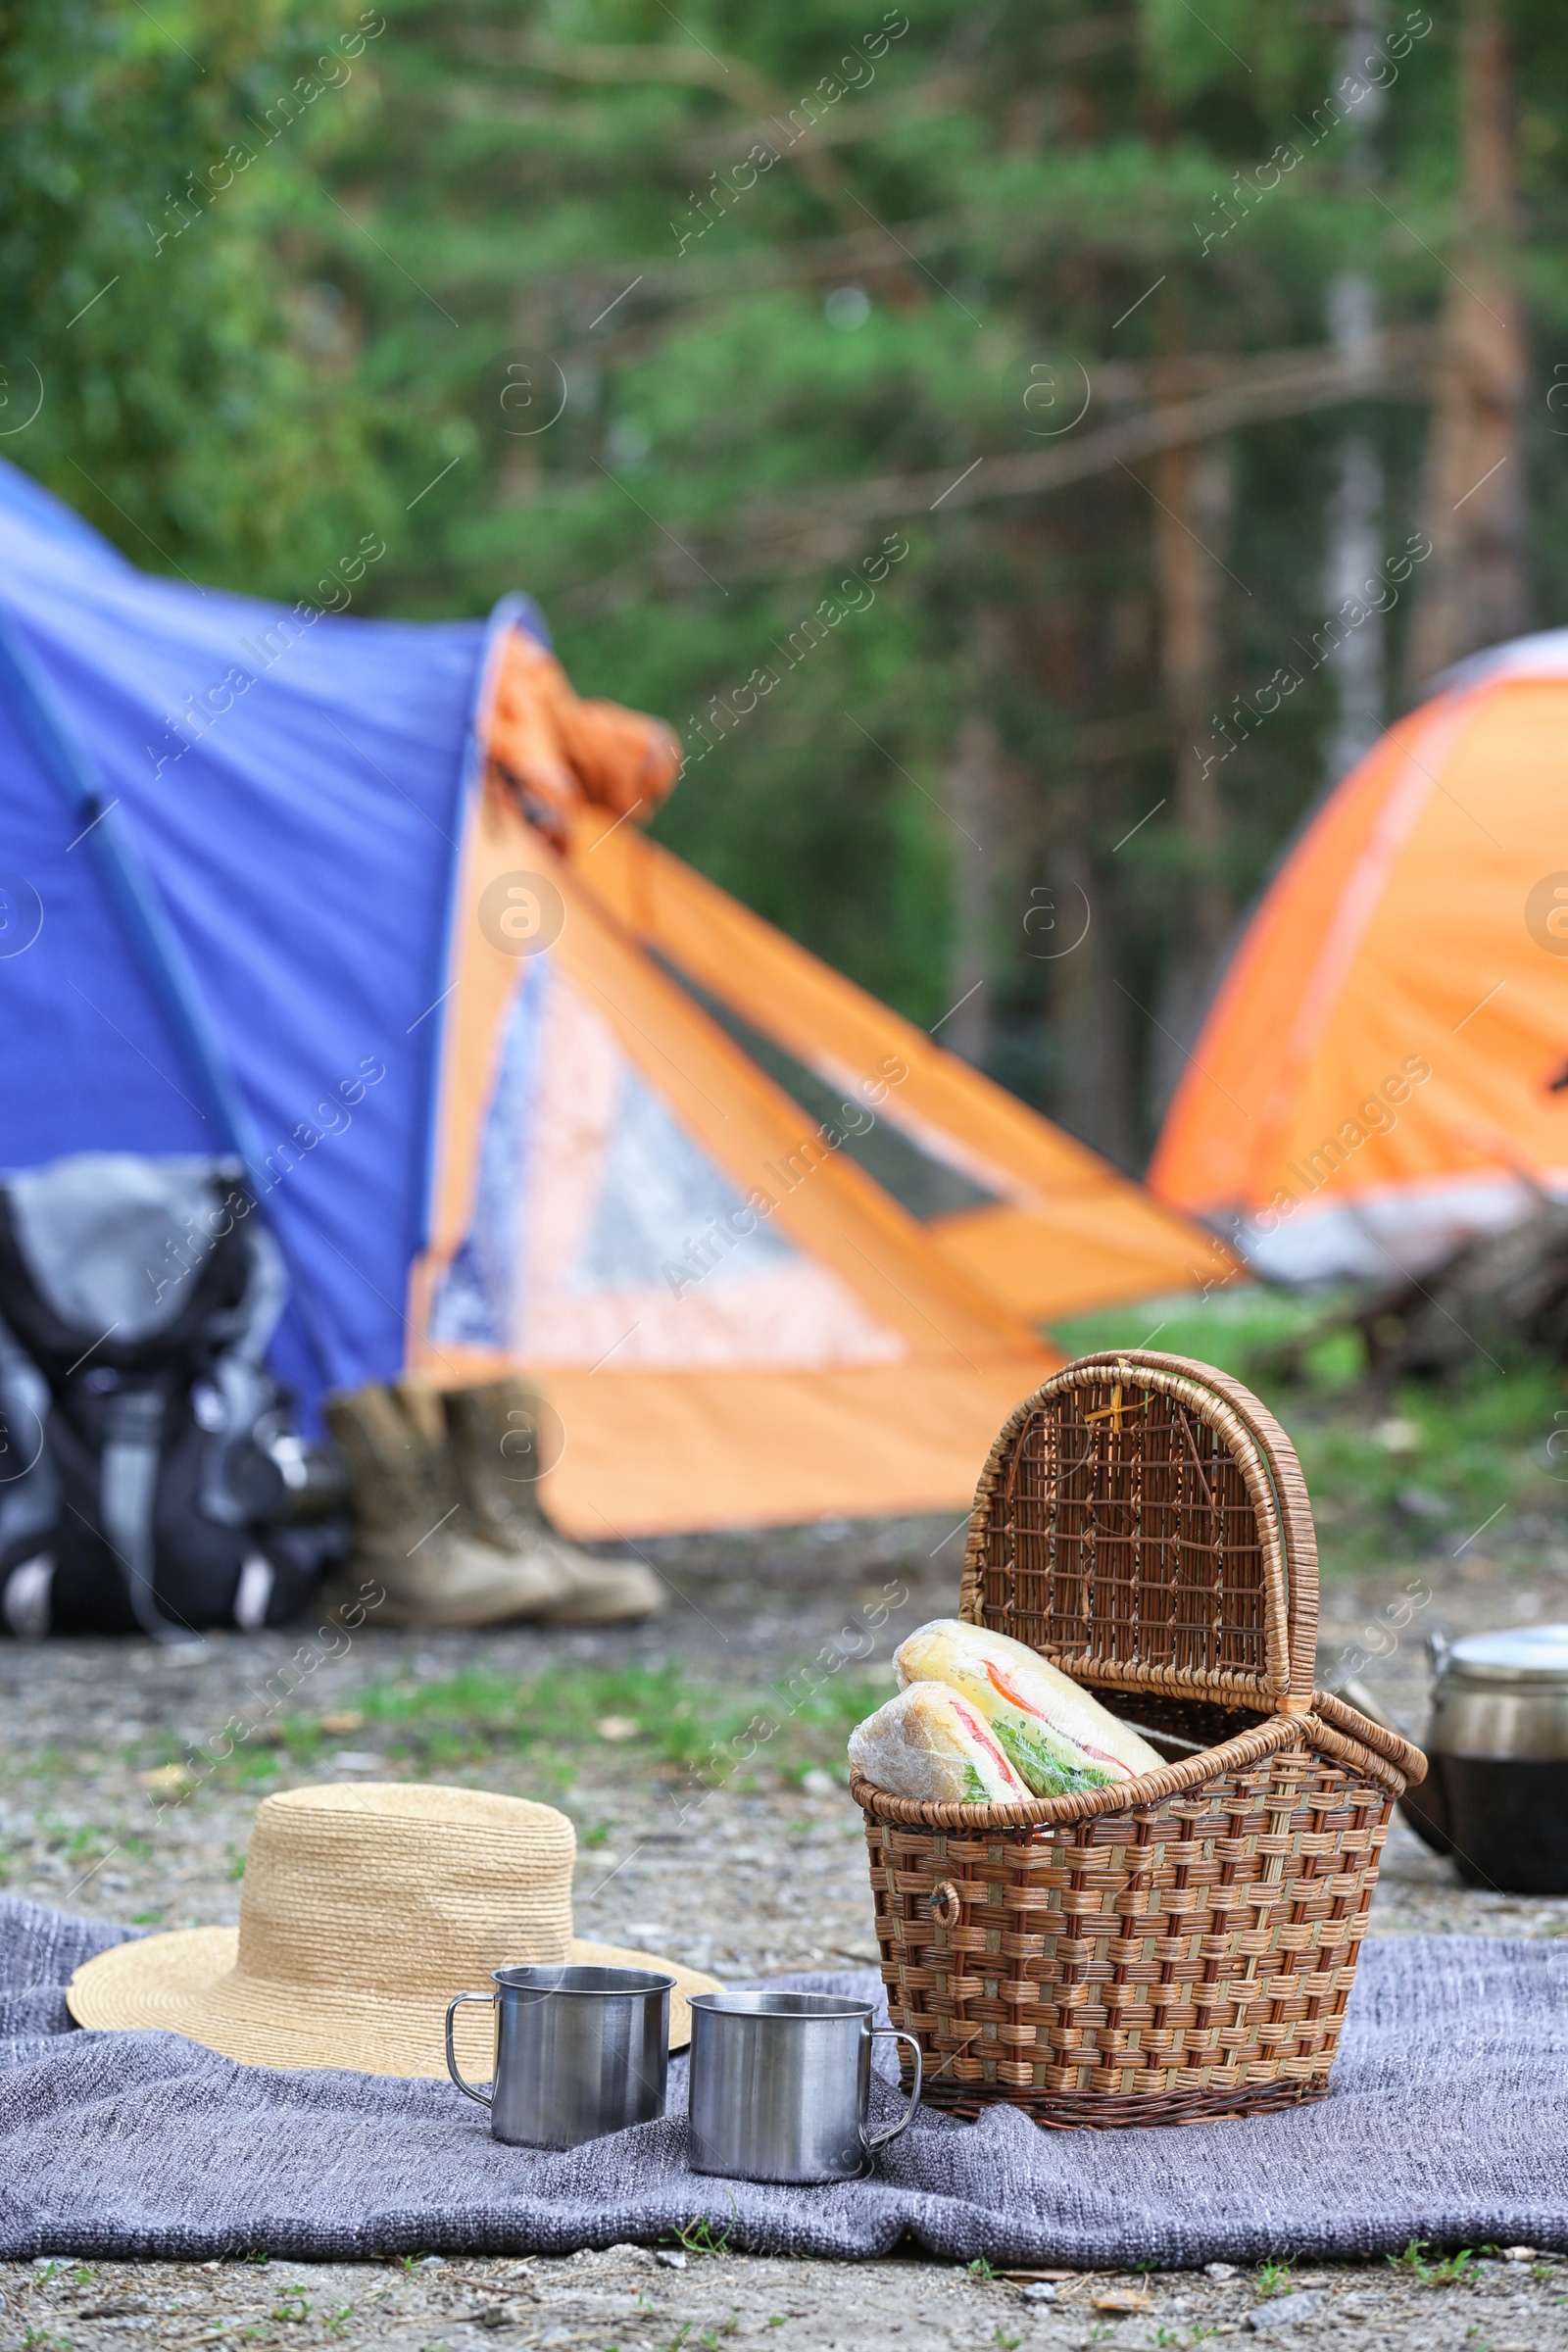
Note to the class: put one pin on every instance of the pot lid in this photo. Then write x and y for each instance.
(1531, 1653)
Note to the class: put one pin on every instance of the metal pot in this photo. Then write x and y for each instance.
(1495, 1796)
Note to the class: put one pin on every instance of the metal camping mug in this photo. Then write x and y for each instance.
(781, 2086)
(581, 2051)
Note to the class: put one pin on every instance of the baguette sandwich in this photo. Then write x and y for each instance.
(929, 1743)
(1057, 1738)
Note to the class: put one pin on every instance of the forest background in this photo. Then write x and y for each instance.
(1028, 449)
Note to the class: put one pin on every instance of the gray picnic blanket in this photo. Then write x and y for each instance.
(1447, 2120)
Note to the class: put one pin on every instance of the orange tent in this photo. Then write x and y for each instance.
(734, 1324)
(1053, 1229)
(1385, 1069)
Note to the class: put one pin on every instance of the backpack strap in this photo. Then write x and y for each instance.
(239, 1374)
(127, 1494)
(30, 1484)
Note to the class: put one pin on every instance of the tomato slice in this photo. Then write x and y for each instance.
(1015, 1698)
(979, 1733)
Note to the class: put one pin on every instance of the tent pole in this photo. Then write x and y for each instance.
(514, 611)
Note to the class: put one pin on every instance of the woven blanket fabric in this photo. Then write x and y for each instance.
(1447, 2120)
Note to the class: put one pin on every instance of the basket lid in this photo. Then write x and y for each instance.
(1143, 1522)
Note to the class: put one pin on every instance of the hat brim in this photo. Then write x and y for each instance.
(187, 1982)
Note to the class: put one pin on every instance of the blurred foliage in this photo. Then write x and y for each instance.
(524, 292)
(156, 192)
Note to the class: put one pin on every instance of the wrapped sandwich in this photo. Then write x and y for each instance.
(931, 1744)
(1056, 1736)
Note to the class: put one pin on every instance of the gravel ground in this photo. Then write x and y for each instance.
(630, 2299)
(773, 1872)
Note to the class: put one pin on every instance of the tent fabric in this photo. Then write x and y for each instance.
(557, 749)
(1064, 1233)
(1382, 1073)
(265, 893)
(291, 779)
(734, 1323)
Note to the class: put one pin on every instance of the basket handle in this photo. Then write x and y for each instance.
(1297, 1595)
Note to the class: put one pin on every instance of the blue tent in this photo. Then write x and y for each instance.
(261, 888)
(270, 798)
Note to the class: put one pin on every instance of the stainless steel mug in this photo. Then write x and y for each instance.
(781, 2086)
(579, 2051)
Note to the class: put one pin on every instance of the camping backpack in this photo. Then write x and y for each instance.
(149, 1475)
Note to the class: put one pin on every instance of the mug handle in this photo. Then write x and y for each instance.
(453, 2006)
(880, 2139)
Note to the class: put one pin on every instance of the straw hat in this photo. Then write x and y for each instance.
(364, 1908)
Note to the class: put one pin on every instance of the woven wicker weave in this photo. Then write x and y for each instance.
(1180, 1946)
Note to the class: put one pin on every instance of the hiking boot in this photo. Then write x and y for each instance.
(408, 1509)
(501, 1441)
(500, 1438)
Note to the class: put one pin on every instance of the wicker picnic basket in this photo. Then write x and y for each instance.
(1178, 1947)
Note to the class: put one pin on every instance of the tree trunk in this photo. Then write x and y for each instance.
(971, 792)
(1195, 489)
(1354, 551)
(1474, 585)
(1091, 1017)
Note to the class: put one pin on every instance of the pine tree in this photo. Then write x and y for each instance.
(932, 412)
(802, 281)
(162, 365)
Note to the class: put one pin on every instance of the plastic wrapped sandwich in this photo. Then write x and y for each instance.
(928, 1743)
(1053, 1737)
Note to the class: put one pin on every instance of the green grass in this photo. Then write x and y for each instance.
(699, 2236)
(1273, 2277)
(1482, 1444)
(1226, 1329)
(686, 1723)
(688, 1727)
(1453, 2270)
